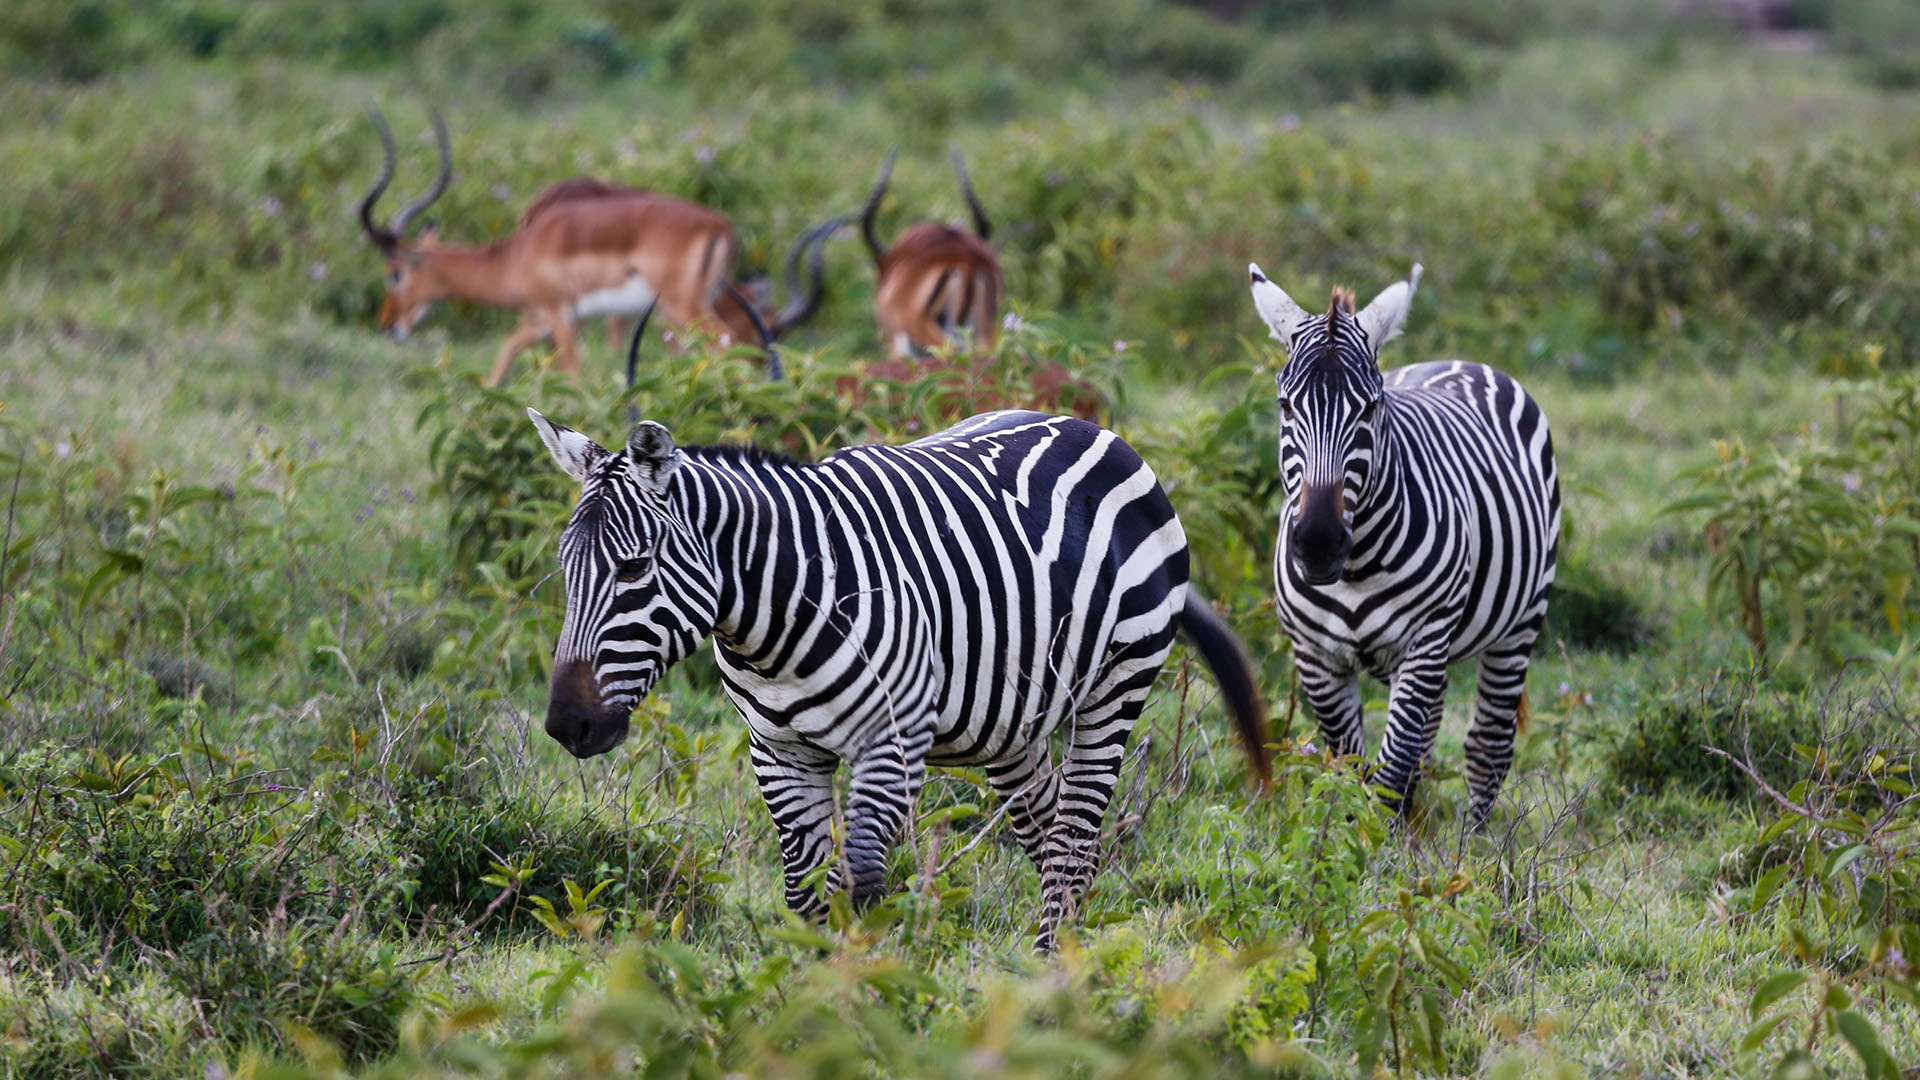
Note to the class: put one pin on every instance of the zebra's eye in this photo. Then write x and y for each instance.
(628, 571)
(1286, 410)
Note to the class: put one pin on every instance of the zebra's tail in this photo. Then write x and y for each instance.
(1227, 658)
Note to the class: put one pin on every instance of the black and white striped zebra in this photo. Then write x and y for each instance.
(959, 600)
(1421, 527)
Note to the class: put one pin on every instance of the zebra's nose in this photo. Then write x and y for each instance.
(574, 709)
(1320, 537)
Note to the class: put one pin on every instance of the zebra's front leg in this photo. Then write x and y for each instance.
(1414, 706)
(1503, 686)
(887, 777)
(1334, 696)
(796, 781)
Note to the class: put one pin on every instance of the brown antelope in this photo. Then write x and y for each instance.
(583, 248)
(936, 281)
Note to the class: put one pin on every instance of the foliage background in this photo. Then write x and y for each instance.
(276, 593)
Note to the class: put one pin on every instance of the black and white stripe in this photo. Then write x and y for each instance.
(959, 600)
(1421, 527)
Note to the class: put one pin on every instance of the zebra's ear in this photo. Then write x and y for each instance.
(1283, 317)
(576, 453)
(1384, 318)
(651, 455)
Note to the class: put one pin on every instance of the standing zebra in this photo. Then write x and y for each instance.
(1421, 526)
(953, 601)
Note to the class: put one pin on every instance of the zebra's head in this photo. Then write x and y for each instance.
(1330, 407)
(642, 589)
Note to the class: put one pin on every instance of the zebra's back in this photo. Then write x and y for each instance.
(1472, 432)
(1003, 572)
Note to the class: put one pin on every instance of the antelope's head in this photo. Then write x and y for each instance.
(642, 587)
(411, 287)
(1331, 408)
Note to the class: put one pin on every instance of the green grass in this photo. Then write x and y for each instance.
(228, 482)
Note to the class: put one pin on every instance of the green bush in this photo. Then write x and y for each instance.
(1589, 610)
(1817, 547)
(1666, 745)
(451, 840)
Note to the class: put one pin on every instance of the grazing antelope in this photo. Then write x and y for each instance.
(936, 280)
(747, 309)
(584, 248)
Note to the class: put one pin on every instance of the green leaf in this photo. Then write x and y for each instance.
(1758, 1033)
(1768, 884)
(1860, 1034)
(1773, 989)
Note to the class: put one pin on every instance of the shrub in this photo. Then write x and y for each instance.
(1589, 610)
(453, 839)
(1817, 546)
(1666, 743)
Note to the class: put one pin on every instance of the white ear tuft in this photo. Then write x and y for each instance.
(651, 455)
(1283, 317)
(575, 453)
(1387, 315)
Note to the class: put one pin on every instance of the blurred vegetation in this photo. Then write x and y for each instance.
(277, 596)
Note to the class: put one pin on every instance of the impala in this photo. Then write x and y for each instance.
(584, 248)
(936, 282)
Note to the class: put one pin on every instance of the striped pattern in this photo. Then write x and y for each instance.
(956, 601)
(1421, 529)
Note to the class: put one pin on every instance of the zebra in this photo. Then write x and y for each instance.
(1421, 527)
(957, 600)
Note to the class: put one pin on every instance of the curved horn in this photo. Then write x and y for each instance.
(439, 182)
(801, 308)
(981, 226)
(633, 353)
(775, 372)
(873, 206)
(382, 237)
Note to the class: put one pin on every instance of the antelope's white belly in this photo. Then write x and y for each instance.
(632, 297)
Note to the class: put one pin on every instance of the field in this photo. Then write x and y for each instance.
(278, 594)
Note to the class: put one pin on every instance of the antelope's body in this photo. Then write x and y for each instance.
(584, 248)
(937, 286)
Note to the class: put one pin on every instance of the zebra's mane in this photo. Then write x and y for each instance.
(745, 454)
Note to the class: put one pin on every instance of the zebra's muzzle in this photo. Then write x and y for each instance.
(578, 717)
(1321, 536)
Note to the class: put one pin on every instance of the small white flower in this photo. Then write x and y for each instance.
(704, 154)
(270, 207)
(502, 192)
(666, 335)
(1013, 322)
(318, 271)
(1119, 346)
(1564, 688)
(63, 448)
(1850, 481)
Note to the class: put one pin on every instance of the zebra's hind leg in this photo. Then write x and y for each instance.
(1334, 697)
(1030, 785)
(1414, 708)
(796, 781)
(1496, 722)
(887, 777)
(1096, 748)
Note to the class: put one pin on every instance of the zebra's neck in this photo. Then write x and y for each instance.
(760, 517)
(1384, 500)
